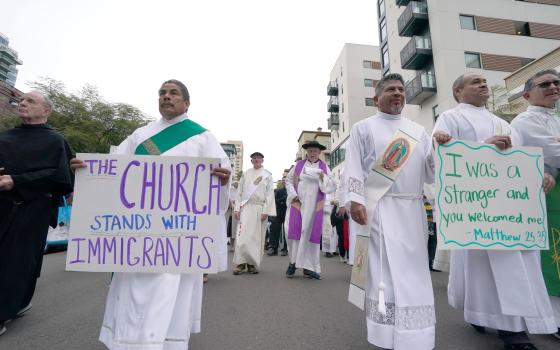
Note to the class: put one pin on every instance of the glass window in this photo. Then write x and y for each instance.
(435, 112)
(467, 22)
(381, 8)
(369, 101)
(385, 57)
(383, 27)
(342, 111)
(368, 64)
(368, 82)
(522, 28)
(472, 60)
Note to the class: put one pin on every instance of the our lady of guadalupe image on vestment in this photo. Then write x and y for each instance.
(359, 271)
(257, 181)
(395, 154)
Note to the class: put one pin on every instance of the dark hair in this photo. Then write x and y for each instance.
(529, 84)
(182, 87)
(381, 84)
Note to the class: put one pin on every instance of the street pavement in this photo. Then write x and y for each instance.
(263, 311)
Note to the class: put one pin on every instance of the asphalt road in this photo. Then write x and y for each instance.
(263, 311)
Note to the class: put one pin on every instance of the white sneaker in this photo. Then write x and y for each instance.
(24, 310)
(342, 259)
(3, 329)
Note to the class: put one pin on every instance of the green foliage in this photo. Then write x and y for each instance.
(89, 123)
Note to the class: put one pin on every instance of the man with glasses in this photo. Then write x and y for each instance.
(539, 126)
(255, 202)
(481, 282)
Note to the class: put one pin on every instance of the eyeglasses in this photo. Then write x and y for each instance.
(546, 84)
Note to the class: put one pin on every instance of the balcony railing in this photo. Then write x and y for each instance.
(417, 53)
(332, 88)
(402, 2)
(420, 88)
(333, 121)
(414, 18)
(332, 106)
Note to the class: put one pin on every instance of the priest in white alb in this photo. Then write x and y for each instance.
(539, 126)
(388, 160)
(498, 289)
(254, 204)
(307, 183)
(159, 311)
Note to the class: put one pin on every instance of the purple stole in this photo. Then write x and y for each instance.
(294, 227)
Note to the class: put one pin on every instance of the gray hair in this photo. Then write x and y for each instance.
(459, 83)
(47, 102)
(381, 84)
(529, 84)
(182, 87)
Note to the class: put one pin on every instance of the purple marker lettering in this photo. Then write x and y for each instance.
(199, 167)
(112, 167)
(209, 259)
(179, 189)
(110, 246)
(160, 186)
(145, 252)
(151, 184)
(94, 249)
(136, 259)
(124, 201)
(171, 252)
(78, 242)
(103, 166)
(90, 162)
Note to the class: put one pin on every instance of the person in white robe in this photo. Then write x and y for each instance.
(307, 183)
(539, 126)
(482, 282)
(398, 228)
(159, 311)
(329, 241)
(233, 224)
(254, 204)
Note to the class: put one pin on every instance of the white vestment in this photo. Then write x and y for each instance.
(151, 311)
(330, 238)
(258, 188)
(499, 289)
(540, 127)
(410, 319)
(304, 253)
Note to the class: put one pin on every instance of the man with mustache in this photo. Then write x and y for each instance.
(539, 126)
(34, 175)
(157, 311)
(481, 281)
(386, 203)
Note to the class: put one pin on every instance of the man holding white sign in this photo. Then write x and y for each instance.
(388, 160)
(540, 126)
(482, 282)
(159, 311)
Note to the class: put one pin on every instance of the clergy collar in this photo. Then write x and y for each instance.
(468, 105)
(389, 116)
(545, 110)
(177, 119)
(317, 161)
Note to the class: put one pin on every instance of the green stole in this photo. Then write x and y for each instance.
(169, 138)
(550, 259)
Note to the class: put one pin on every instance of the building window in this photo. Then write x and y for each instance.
(341, 89)
(522, 28)
(369, 101)
(368, 83)
(383, 30)
(472, 60)
(385, 56)
(343, 126)
(368, 64)
(467, 22)
(342, 107)
(381, 8)
(435, 112)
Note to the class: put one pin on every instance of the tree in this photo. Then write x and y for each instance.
(87, 121)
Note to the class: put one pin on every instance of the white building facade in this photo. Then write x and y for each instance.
(432, 42)
(350, 89)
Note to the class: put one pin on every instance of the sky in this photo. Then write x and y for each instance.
(256, 70)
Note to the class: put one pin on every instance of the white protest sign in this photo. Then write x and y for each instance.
(145, 214)
(490, 199)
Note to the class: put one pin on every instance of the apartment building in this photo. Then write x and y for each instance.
(432, 42)
(350, 89)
